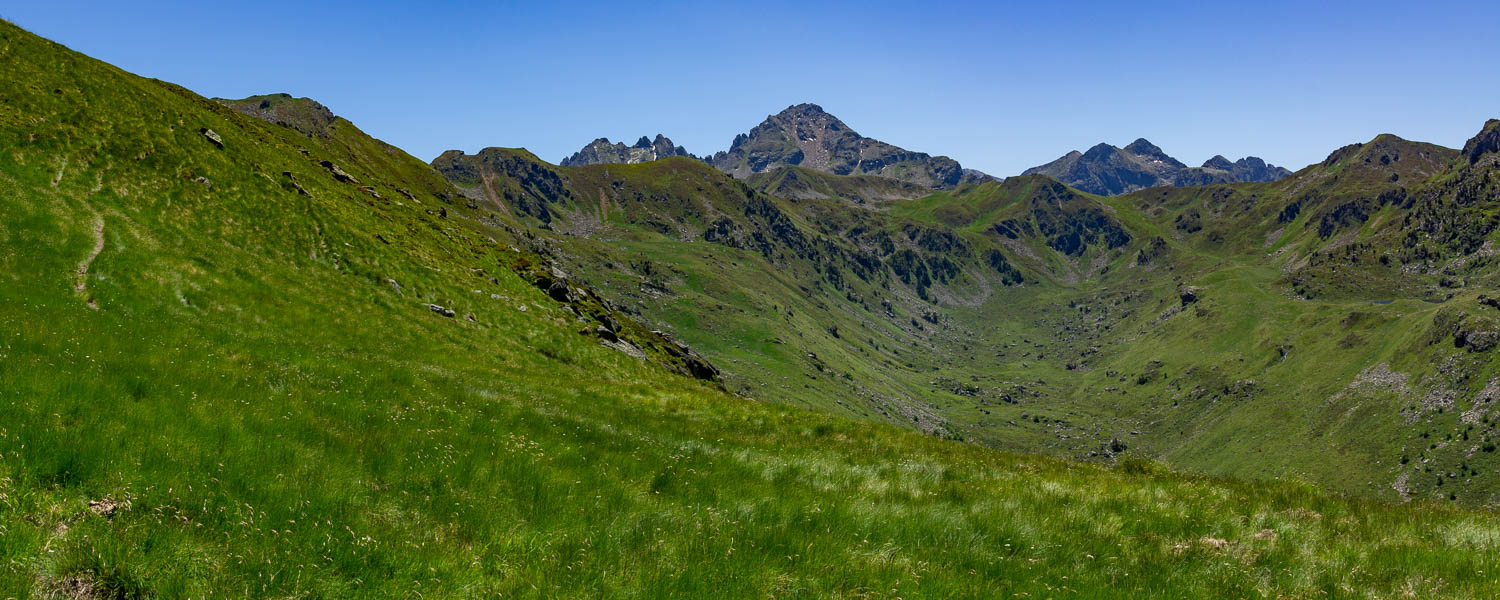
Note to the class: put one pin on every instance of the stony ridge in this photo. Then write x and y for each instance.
(601, 151)
(1109, 170)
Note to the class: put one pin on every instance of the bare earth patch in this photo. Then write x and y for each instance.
(82, 285)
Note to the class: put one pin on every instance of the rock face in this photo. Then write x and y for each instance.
(1487, 142)
(601, 152)
(1108, 170)
(804, 135)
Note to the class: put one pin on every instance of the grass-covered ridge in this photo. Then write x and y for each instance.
(262, 405)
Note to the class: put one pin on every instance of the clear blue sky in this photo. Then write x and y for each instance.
(1000, 88)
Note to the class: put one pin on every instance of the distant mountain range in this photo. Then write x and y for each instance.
(1108, 170)
(601, 151)
(806, 136)
(800, 136)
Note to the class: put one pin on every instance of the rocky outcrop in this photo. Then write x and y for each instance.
(609, 326)
(601, 152)
(804, 135)
(1188, 294)
(508, 177)
(1487, 142)
(304, 115)
(1108, 170)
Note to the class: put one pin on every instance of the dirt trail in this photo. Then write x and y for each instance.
(82, 286)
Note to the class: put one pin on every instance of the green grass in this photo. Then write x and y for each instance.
(273, 418)
(1080, 328)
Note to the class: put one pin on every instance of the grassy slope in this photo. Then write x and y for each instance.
(274, 419)
(1051, 365)
(804, 183)
(1255, 380)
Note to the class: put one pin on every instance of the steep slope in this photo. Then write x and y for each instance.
(262, 405)
(799, 183)
(601, 151)
(804, 135)
(1108, 170)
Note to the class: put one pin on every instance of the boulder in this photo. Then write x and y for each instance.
(442, 310)
(560, 291)
(1189, 294)
(1480, 341)
(212, 137)
(700, 369)
(338, 173)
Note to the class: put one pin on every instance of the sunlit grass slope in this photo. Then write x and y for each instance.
(228, 396)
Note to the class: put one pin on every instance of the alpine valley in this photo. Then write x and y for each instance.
(248, 350)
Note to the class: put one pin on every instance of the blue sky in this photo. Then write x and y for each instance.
(998, 87)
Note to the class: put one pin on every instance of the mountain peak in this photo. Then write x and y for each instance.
(1107, 170)
(1388, 152)
(807, 136)
(602, 151)
(1100, 151)
(806, 108)
(1219, 162)
(1487, 142)
(1145, 148)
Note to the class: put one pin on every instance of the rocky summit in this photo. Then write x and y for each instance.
(1108, 170)
(602, 152)
(805, 135)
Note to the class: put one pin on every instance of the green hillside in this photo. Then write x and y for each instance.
(241, 358)
(1029, 316)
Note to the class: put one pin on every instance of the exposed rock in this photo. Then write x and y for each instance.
(601, 151)
(212, 137)
(1189, 294)
(625, 347)
(338, 173)
(304, 115)
(1483, 403)
(699, 368)
(1487, 142)
(293, 184)
(804, 135)
(1477, 341)
(1108, 170)
(525, 183)
(560, 291)
(442, 310)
